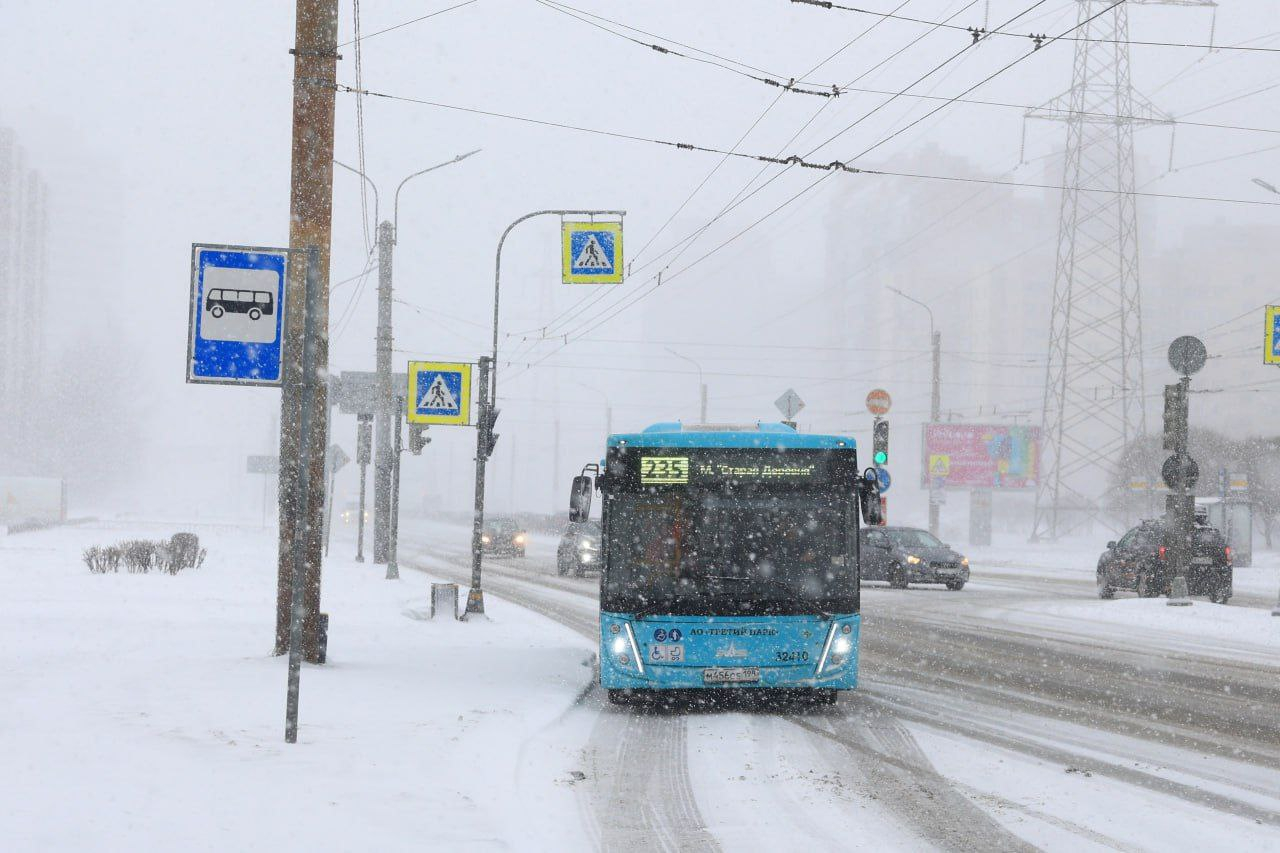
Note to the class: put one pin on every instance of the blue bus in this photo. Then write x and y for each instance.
(729, 559)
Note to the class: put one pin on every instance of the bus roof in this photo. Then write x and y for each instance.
(762, 434)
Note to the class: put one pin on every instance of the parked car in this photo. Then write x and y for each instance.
(579, 549)
(907, 555)
(502, 537)
(1140, 561)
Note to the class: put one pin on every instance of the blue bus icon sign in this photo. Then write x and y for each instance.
(236, 329)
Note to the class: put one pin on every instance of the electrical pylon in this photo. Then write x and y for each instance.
(1094, 388)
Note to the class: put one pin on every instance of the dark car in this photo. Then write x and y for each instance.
(579, 550)
(503, 538)
(906, 555)
(1140, 561)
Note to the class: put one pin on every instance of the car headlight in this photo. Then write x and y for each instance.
(913, 559)
(964, 561)
(485, 539)
(520, 539)
(586, 556)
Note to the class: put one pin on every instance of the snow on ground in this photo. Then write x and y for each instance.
(145, 711)
(763, 784)
(1213, 630)
(1072, 808)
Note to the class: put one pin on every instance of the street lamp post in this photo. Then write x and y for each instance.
(488, 397)
(935, 399)
(608, 408)
(702, 385)
(385, 410)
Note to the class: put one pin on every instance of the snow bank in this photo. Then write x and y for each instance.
(145, 711)
(1203, 628)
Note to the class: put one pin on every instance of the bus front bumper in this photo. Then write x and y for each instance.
(791, 652)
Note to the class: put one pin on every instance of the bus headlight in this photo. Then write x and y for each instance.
(625, 651)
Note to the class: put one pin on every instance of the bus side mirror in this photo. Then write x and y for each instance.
(869, 499)
(580, 499)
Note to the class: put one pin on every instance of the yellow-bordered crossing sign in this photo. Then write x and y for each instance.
(439, 393)
(591, 252)
(1271, 345)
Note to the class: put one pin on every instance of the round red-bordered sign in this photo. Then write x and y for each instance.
(879, 401)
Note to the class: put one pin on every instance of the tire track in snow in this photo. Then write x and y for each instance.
(899, 775)
(638, 795)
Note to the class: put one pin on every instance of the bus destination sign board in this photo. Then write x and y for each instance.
(707, 467)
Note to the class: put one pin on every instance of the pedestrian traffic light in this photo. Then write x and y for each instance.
(418, 438)
(880, 442)
(1175, 417)
(488, 438)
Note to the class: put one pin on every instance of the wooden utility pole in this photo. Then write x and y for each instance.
(315, 61)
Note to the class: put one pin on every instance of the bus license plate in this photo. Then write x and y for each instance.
(731, 674)
(666, 653)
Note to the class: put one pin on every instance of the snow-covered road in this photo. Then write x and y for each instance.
(1020, 712)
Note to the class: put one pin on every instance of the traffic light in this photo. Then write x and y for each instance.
(488, 438)
(418, 438)
(1175, 417)
(880, 442)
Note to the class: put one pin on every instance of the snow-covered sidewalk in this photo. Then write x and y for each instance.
(144, 712)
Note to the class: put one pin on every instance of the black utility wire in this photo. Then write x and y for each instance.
(1038, 39)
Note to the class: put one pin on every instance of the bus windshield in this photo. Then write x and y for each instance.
(730, 553)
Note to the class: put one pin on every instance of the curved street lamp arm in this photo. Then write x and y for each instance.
(921, 304)
(497, 278)
(368, 180)
(396, 201)
(691, 361)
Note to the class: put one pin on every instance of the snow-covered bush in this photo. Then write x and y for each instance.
(103, 560)
(140, 556)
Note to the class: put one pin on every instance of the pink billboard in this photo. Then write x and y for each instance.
(980, 456)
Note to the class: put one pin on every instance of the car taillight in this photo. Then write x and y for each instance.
(1162, 552)
(1227, 551)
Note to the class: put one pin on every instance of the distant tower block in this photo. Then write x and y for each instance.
(1094, 388)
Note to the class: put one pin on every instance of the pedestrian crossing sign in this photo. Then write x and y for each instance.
(940, 465)
(439, 393)
(1271, 344)
(591, 252)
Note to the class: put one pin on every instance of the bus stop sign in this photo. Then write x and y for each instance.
(235, 333)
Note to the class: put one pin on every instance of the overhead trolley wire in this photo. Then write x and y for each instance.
(738, 198)
(798, 86)
(599, 319)
(359, 38)
(1038, 39)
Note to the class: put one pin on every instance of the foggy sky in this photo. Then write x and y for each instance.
(158, 124)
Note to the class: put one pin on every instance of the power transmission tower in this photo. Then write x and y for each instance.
(1094, 388)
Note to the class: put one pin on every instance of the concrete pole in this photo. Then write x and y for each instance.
(703, 409)
(555, 466)
(608, 418)
(393, 568)
(475, 598)
(935, 414)
(315, 58)
(383, 456)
